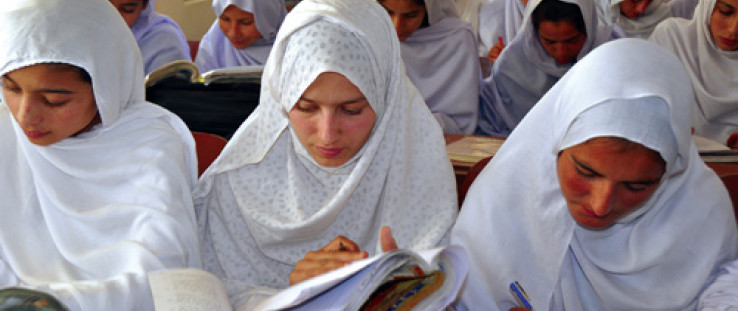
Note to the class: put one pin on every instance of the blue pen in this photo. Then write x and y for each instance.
(520, 295)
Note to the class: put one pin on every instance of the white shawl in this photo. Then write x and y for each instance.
(643, 25)
(265, 202)
(216, 51)
(516, 226)
(86, 218)
(714, 71)
(441, 61)
(525, 71)
(159, 38)
(499, 18)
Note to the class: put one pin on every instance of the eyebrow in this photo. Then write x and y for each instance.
(725, 4)
(350, 101)
(45, 90)
(586, 167)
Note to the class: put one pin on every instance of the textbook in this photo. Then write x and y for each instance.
(472, 149)
(397, 280)
(185, 69)
(712, 151)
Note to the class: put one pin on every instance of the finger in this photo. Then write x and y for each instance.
(387, 240)
(341, 243)
(345, 256)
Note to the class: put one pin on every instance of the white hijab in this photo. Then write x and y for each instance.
(499, 18)
(159, 38)
(641, 26)
(714, 71)
(265, 202)
(525, 71)
(216, 51)
(661, 255)
(87, 217)
(441, 61)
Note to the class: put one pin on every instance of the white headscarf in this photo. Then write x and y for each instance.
(441, 61)
(216, 51)
(87, 217)
(525, 71)
(641, 26)
(265, 202)
(499, 18)
(714, 71)
(159, 38)
(516, 226)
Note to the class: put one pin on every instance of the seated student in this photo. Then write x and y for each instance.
(499, 22)
(242, 35)
(590, 204)
(159, 38)
(555, 35)
(341, 145)
(638, 18)
(708, 48)
(96, 182)
(439, 51)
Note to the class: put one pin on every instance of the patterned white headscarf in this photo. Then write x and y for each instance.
(515, 224)
(714, 71)
(216, 51)
(266, 202)
(88, 217)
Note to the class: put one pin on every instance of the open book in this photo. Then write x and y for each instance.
(712, 151)
(397, 280)
(187, 70)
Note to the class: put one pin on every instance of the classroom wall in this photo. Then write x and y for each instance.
(193, 16)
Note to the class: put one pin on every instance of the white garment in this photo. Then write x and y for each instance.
(216, 51)
(499, 18)
(265, 202)
(515, 224)
(441, 61)
(714, 71)
(644, 24)
(524, 72)
(469, 12)
(159, 38)
(86, 218)
(723, 293)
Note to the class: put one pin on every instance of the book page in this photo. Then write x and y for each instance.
(188, 290)
(473, 148)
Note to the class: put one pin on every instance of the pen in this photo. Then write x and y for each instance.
(520, 295)
(499, 39)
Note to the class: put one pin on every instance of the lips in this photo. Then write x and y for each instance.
(729, 42)
(329, 152)
(35, 134)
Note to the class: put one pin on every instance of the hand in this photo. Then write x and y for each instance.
(733, 141)
(495, 51)
(385, 237)
(338, 253)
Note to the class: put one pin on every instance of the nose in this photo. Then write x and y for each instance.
(601, 198)
(641, 7)
(29, 113)
(233, 30)
(397, 22)
(733, 27)
(328, 130)
(560, 52)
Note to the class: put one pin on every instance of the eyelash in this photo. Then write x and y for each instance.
(585, 174)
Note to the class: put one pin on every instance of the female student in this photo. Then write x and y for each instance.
(159, 38)
(555, 35)
(242, 35)
(590, 204)
(341, 145)
(439, 51)
(96, 182)
(638, 18)
(708, 48)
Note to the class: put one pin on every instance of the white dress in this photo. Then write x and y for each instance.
(516, 226)
(85, 219)
(265, 202)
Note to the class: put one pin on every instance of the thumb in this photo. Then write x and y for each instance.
(385, 237)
